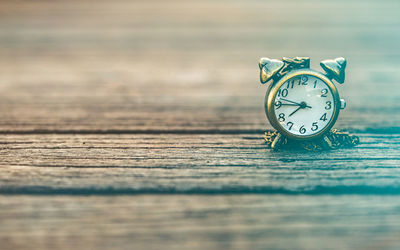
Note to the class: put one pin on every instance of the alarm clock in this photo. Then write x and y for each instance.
(301, 103)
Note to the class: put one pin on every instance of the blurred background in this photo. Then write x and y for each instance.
(184, 65)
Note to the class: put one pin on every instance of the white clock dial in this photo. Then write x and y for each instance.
(304, 105)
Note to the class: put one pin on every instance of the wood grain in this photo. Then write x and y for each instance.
(138, 125)
(198, 222)
(204, 164)
(185, 65)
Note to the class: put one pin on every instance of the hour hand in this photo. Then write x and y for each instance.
(279, 103)
(302, 104)
(288, 104)
(286, 100)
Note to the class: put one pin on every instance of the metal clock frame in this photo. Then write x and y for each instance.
(272, 92)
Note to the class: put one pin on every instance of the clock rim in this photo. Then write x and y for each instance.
(272, 92)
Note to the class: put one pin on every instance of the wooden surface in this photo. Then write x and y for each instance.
(138, 125)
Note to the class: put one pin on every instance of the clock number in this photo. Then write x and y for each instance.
(290, 84)
(278, 104)
(281, 117)
(324, 92)
(314, 126)
(323, 117)
(303, 80)
(328, 105)
(290, 125)
(302, 130)
(283, 92)
(315, 83)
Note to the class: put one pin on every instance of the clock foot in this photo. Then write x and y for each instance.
(277, 142)
(334, 139)
(326, 143)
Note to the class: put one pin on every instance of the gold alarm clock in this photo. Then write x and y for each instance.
(301, 103)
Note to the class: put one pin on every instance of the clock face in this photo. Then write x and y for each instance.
(304, 105)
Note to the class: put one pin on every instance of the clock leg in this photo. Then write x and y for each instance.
(326, 142)
(277, 142)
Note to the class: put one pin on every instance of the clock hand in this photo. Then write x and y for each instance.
(303, 105)
(290, 101)
(295, 111)
(289, 104)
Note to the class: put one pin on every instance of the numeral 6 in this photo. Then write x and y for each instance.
(302, 130)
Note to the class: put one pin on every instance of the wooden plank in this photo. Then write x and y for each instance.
(199, 222)
(206, 164)
(186, 65)
(103, 107)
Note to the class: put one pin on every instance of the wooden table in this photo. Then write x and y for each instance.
(138, 125)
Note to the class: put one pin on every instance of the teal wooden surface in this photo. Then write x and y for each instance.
(193, 164)
(199, 221)
(138, 125)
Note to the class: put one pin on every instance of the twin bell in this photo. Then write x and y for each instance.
(334, 68)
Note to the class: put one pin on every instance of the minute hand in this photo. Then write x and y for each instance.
(295, 111)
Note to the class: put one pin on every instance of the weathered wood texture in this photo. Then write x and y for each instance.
(200, 222)
(185, 65)
(205, 164)
(138, 125)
